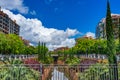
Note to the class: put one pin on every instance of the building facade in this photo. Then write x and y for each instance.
(101, 27)
(7, 25)
(61, 49)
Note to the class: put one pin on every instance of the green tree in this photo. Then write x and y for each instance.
(111, 44)
(2, 42)
(90, 46)
(42, 50)
(30, 50)
(84, 45)
(13, 44)
(17, 45)
(39, 56)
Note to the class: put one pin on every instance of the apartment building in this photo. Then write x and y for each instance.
(7, 25)
(101, 27)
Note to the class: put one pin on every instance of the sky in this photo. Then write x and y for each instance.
(57, 22)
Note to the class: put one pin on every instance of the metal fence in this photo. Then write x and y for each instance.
(20, 72)
(12, 56)
(93, 56)
(59, 72)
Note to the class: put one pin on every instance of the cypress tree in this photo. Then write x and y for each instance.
(44, 53)
(39, 51)
(111, 45)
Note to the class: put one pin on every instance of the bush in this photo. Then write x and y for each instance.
(73, 61)
(16, 70)
(32, 63)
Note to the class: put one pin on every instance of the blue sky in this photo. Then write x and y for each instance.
(57, 22)
(80, 14)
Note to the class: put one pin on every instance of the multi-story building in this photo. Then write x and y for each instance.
(101, 27)
(7, 25)
(61, 49)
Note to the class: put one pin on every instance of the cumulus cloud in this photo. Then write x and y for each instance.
(14, 5)
(88, 34)
(34, 31)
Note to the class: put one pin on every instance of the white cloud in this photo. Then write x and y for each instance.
(34, 31)
(112, 14)
(88, 34)
(31, 44)
(33, 12)
(14, 5)
(48, 1)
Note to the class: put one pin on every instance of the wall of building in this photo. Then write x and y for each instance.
(7, 25)
(101, 27)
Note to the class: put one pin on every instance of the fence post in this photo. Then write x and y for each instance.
(41, 71)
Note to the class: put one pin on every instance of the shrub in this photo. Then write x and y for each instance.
(32, 63)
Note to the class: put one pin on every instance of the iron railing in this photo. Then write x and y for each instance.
(59, 72)
(20, 72)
